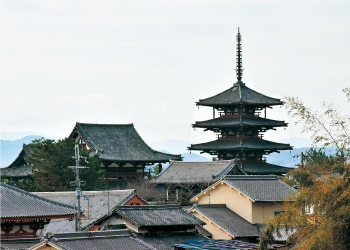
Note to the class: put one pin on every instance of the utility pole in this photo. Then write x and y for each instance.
(78, 185)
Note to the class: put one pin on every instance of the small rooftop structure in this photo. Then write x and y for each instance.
(195, 171)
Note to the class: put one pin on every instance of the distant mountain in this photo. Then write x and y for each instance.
(11, 149)
(12, 136)
(289, 158)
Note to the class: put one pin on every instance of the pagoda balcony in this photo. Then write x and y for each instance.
(237, 115)
(235, 138)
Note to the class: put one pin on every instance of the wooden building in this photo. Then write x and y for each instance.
(23, 213)
(20, 168)
(123, 152)
(240, 126)
(237, 207)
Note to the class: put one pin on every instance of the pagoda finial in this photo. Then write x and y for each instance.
(239, 69)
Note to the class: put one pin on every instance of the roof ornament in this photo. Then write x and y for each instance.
(239, 69)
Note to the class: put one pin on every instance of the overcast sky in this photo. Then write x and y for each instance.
(147, 63)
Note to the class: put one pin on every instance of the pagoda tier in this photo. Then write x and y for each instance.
(240, 126)
(227, 122)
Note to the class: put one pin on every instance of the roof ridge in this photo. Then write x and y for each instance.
(93, 192)
(229, 167)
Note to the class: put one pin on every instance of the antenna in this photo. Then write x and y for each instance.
(239, 69)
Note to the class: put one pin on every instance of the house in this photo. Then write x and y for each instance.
(123, 153)
(23, 213)
(181, 180)
(20, 168)
(94, 204)
(161, 226)
(235, 206)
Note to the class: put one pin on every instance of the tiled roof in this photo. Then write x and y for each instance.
(119, 142)
(238, 94)
(16, 171)
(30, 205)
(98, 204)
(260, 187)
(20, 167)
(227, 220)
(223, 122)
(106, 240)
(13, 244)
(264, 168)
(217, 244)
(257, 144)
(194, 171)
(166, 241)
(158, 215)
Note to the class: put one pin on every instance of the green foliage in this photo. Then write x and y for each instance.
(155, 170)
(323, 185)
(51, 168)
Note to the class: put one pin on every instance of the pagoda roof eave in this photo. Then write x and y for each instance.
(239, 94)
(230, 145)
(245, 121)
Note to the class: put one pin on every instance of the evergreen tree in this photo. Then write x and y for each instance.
(51, 170)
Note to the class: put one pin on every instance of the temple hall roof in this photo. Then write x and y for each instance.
(119, 142)
(223, 122)
(225, 145)
(194, 171)
(28, 205)
(20, 167)
(227, 219)
(158, 215)
(98, 204)
(237, 94)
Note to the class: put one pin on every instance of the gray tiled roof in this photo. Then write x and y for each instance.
(237, 94)
(98, 204)
(264, 168)
(20, 167)
(257, 144)
(193, 172)
(260, 188)
(227, 220)
(119, 142)
(166, 241)
(158, 215)
(106, 240)
(223, 122)
(13, 244)
(17, 203)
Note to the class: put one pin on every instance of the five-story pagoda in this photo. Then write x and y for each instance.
(240, 126)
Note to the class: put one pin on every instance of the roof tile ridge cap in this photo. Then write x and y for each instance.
(285, 184)
(127, 198)
(122, 214)
(227, 169)
(37, 196)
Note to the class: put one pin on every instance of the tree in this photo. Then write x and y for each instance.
(51, 167)
(324, 185)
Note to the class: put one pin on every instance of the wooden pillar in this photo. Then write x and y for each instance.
(160, 167)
